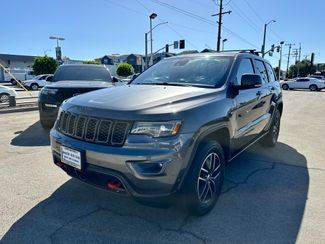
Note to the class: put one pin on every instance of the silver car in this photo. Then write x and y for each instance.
(310, 83)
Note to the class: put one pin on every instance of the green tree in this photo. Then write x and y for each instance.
(124, 69)
(90, 62)
(302, 69)
(44, 65)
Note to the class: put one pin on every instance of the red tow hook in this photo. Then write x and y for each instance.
(113, 185)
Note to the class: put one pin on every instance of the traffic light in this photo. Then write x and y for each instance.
(272, 48)
(167, 48)
(181, 44)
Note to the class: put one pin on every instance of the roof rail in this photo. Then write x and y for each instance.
(252, 51)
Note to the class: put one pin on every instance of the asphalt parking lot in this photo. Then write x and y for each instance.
(270, 195)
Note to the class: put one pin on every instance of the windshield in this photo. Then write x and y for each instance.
(82, 72)
(209, 71)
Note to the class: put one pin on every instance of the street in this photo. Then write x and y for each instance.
(270, 195)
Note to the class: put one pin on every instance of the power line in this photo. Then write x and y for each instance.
(202, 19)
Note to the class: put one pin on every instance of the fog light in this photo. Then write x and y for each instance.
(149, 168)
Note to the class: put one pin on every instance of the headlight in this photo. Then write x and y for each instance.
(156, 129)
(47, 91)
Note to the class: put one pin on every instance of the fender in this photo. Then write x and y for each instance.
(198, 138)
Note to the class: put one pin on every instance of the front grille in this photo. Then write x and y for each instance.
(104, 131)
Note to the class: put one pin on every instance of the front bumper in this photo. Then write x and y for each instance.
(48, 111)
(102, 163)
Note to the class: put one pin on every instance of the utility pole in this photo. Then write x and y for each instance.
(280, 60)
(299, 52)
(264, 36)
(289, 53)
(220, 23)
(146, 50)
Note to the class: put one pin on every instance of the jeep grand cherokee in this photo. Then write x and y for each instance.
(172, 130)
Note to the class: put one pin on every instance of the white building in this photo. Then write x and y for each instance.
(19, 62)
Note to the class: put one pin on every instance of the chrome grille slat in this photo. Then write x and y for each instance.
(91, 129)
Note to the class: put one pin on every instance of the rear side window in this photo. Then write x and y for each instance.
(261, 70)
(270, 72)
(302, 80)
(245, 67)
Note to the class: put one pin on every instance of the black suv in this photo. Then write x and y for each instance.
(70, 80)
(172, 130)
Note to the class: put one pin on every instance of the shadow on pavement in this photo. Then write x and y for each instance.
(263, 200)
(34, 135)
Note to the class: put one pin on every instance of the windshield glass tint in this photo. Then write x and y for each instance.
(77, 73)
(202, 71)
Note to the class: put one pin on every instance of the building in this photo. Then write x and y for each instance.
(135, 60)
(11, 61)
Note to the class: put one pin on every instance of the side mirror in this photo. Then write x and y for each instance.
(114, 79)
(250, 81)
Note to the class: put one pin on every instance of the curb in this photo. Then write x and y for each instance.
(18, 109)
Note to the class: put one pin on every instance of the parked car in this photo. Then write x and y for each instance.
(70, 80)
(38, 81)
(19, 74)
(310, 83)
(5, 93)
(172, 130)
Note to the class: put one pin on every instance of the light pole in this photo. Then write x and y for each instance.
(280, 60)
(58, 48)
(146, 42)
(151, 17)
(45, 51)
(223, 43)
(264, 36)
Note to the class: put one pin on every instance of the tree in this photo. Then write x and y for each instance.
(301, 69)
(44, 65)
(124, 69)
(90, 62)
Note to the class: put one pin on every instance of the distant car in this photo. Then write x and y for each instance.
(70, 80)
(312, 84)
(320, 77)
(5, 93)
(38, 81)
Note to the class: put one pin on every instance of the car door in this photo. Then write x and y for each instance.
(42, 80)
(247, 104)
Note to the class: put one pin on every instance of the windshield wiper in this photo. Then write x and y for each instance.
(176, 84)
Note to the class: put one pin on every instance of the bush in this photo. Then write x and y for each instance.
(124, 69)
(45, 65)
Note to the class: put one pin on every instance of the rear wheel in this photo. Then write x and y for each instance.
(205, 178)
(313, 88)
(285, 87)
(271, 138)
(4, 97)
(13, 81)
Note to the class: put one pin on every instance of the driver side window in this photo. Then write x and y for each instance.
(245, 67)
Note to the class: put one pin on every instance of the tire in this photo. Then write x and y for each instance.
(285, 86)
(313, 87)
(271, 138)
(13, 82)
(4, 97)
(203, 183)
(47, 124)
(34, 87)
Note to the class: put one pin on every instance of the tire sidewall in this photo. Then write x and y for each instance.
(285, 86)
(190, 191)
(4, 94)
(313, 88)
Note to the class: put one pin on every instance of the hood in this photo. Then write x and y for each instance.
(145, 99)
(79, 84)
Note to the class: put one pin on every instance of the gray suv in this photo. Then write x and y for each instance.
(171, 131)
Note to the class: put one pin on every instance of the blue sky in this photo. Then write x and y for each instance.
(93, 28)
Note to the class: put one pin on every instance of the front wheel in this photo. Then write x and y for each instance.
(34, 87)
(4, 97)
(271, 138)
(47, 124)
(205, 178)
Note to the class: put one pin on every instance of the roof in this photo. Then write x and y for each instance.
(14, 57)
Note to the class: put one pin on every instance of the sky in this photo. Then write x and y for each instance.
(93, 28)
